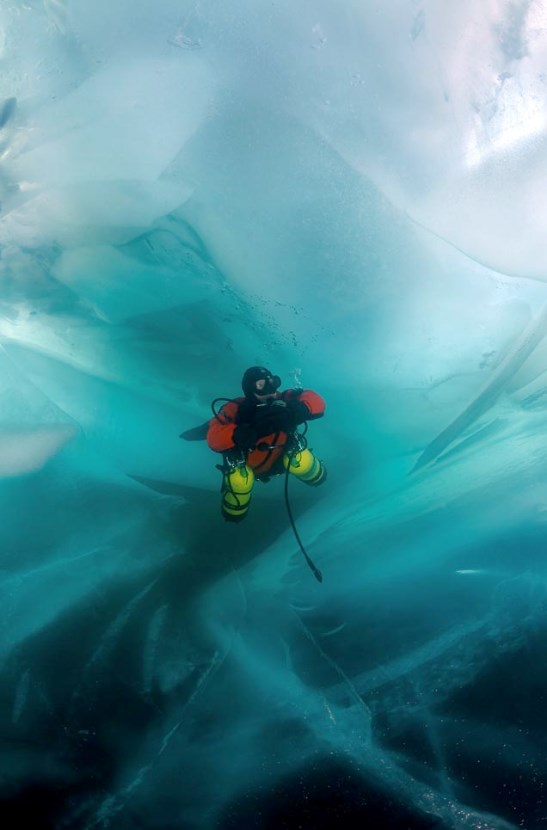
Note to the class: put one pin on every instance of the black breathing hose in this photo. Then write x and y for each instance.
(313, 567)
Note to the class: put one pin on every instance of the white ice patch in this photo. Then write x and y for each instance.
(26, 449)
(97, 158)
(120, 287)
(124, 122)
(101, 211)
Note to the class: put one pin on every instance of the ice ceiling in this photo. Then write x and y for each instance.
(352, 193)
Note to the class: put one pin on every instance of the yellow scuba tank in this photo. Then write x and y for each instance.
(237, 489)
(306, 466)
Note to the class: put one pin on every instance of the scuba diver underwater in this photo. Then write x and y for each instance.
(259, 438)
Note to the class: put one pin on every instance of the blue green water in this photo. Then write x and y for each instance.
(351, 195)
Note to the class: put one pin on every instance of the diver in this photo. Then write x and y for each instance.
(257, 435)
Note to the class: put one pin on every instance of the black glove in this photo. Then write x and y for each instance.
(246, 412)
(245, 437)
(299, 411)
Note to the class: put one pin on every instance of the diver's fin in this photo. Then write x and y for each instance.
(197, 433)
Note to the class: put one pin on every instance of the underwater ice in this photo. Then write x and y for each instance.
(352, 194)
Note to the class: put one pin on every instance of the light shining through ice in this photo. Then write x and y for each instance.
(352, 194)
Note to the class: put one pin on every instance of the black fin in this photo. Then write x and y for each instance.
(197, 433)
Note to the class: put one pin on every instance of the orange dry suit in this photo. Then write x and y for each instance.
(256, 440)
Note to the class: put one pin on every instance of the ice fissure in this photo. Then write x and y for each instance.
(351, 194)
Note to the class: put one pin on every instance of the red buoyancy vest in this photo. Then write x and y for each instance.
(221, 429)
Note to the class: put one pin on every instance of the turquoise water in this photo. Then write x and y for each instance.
(350, 194)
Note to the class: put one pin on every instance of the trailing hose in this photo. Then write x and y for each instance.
(313, 567)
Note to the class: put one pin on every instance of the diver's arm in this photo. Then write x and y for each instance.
(221, 429)
(314, 402)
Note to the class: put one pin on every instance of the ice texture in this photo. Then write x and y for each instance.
(352, 194)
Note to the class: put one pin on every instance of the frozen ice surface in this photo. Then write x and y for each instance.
(352, 194)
